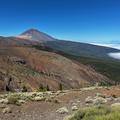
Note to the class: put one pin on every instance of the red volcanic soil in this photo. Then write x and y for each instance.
(32, 67)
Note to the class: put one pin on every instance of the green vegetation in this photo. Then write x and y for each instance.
(80, 49)
(43, 88)
(13, 99)
(109, 68)
(56, 101)
(114, 96)
(48, 89)
(24, 88)
(60, 87)
(97, 113)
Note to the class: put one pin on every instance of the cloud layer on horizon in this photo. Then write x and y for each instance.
(115, 55)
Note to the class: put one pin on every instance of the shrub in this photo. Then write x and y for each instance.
(60, 87)
(114, 96)
(97, 113)
(13, 99)
(48, 89)
(43, 89)
(56, 101)
(24, 89)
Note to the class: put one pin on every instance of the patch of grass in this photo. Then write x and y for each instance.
(97, 113)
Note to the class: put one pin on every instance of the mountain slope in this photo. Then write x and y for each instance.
(14, 41)
(35, 35)
(26, 66)
(81, 49)
(56, 63)
(108, 67)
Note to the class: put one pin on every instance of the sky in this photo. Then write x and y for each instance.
(78, 20)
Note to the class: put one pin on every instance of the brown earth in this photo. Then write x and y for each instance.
(29, 67)
(47, 110)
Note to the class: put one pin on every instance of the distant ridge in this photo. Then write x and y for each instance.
(33, 37)
(36, 35)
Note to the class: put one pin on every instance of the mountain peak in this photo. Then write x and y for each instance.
(35, 35)
(32, 30)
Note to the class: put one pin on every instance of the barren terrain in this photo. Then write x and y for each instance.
(31, 68)
(47, 110)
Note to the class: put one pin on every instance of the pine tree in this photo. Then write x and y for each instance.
(60, 87)
(47, 88)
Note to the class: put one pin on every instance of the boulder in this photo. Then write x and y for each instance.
(7, 110)
(58, 92)
(110, 99)
(115, 105)
(99, 100)
(100, 95)
(74, 104)
(48, 100)
(39, 94)
(2, 106)
(4, 101)
(38, 98)
(89, 100)
(49, 93)
(78, 101)
(117, 99)
(62, 110)
(2, 96)
(21, 101)
(74, 108)
(68, 117)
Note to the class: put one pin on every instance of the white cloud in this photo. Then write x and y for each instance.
(115, 55)
(117, 46)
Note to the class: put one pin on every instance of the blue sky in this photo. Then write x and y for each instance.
(80, 20)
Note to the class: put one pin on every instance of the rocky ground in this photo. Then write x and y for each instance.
(54, 105)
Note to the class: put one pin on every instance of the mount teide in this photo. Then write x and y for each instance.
(36, 35)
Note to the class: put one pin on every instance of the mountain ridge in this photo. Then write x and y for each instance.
(35, 37)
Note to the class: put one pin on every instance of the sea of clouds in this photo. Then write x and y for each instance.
(115, 55)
